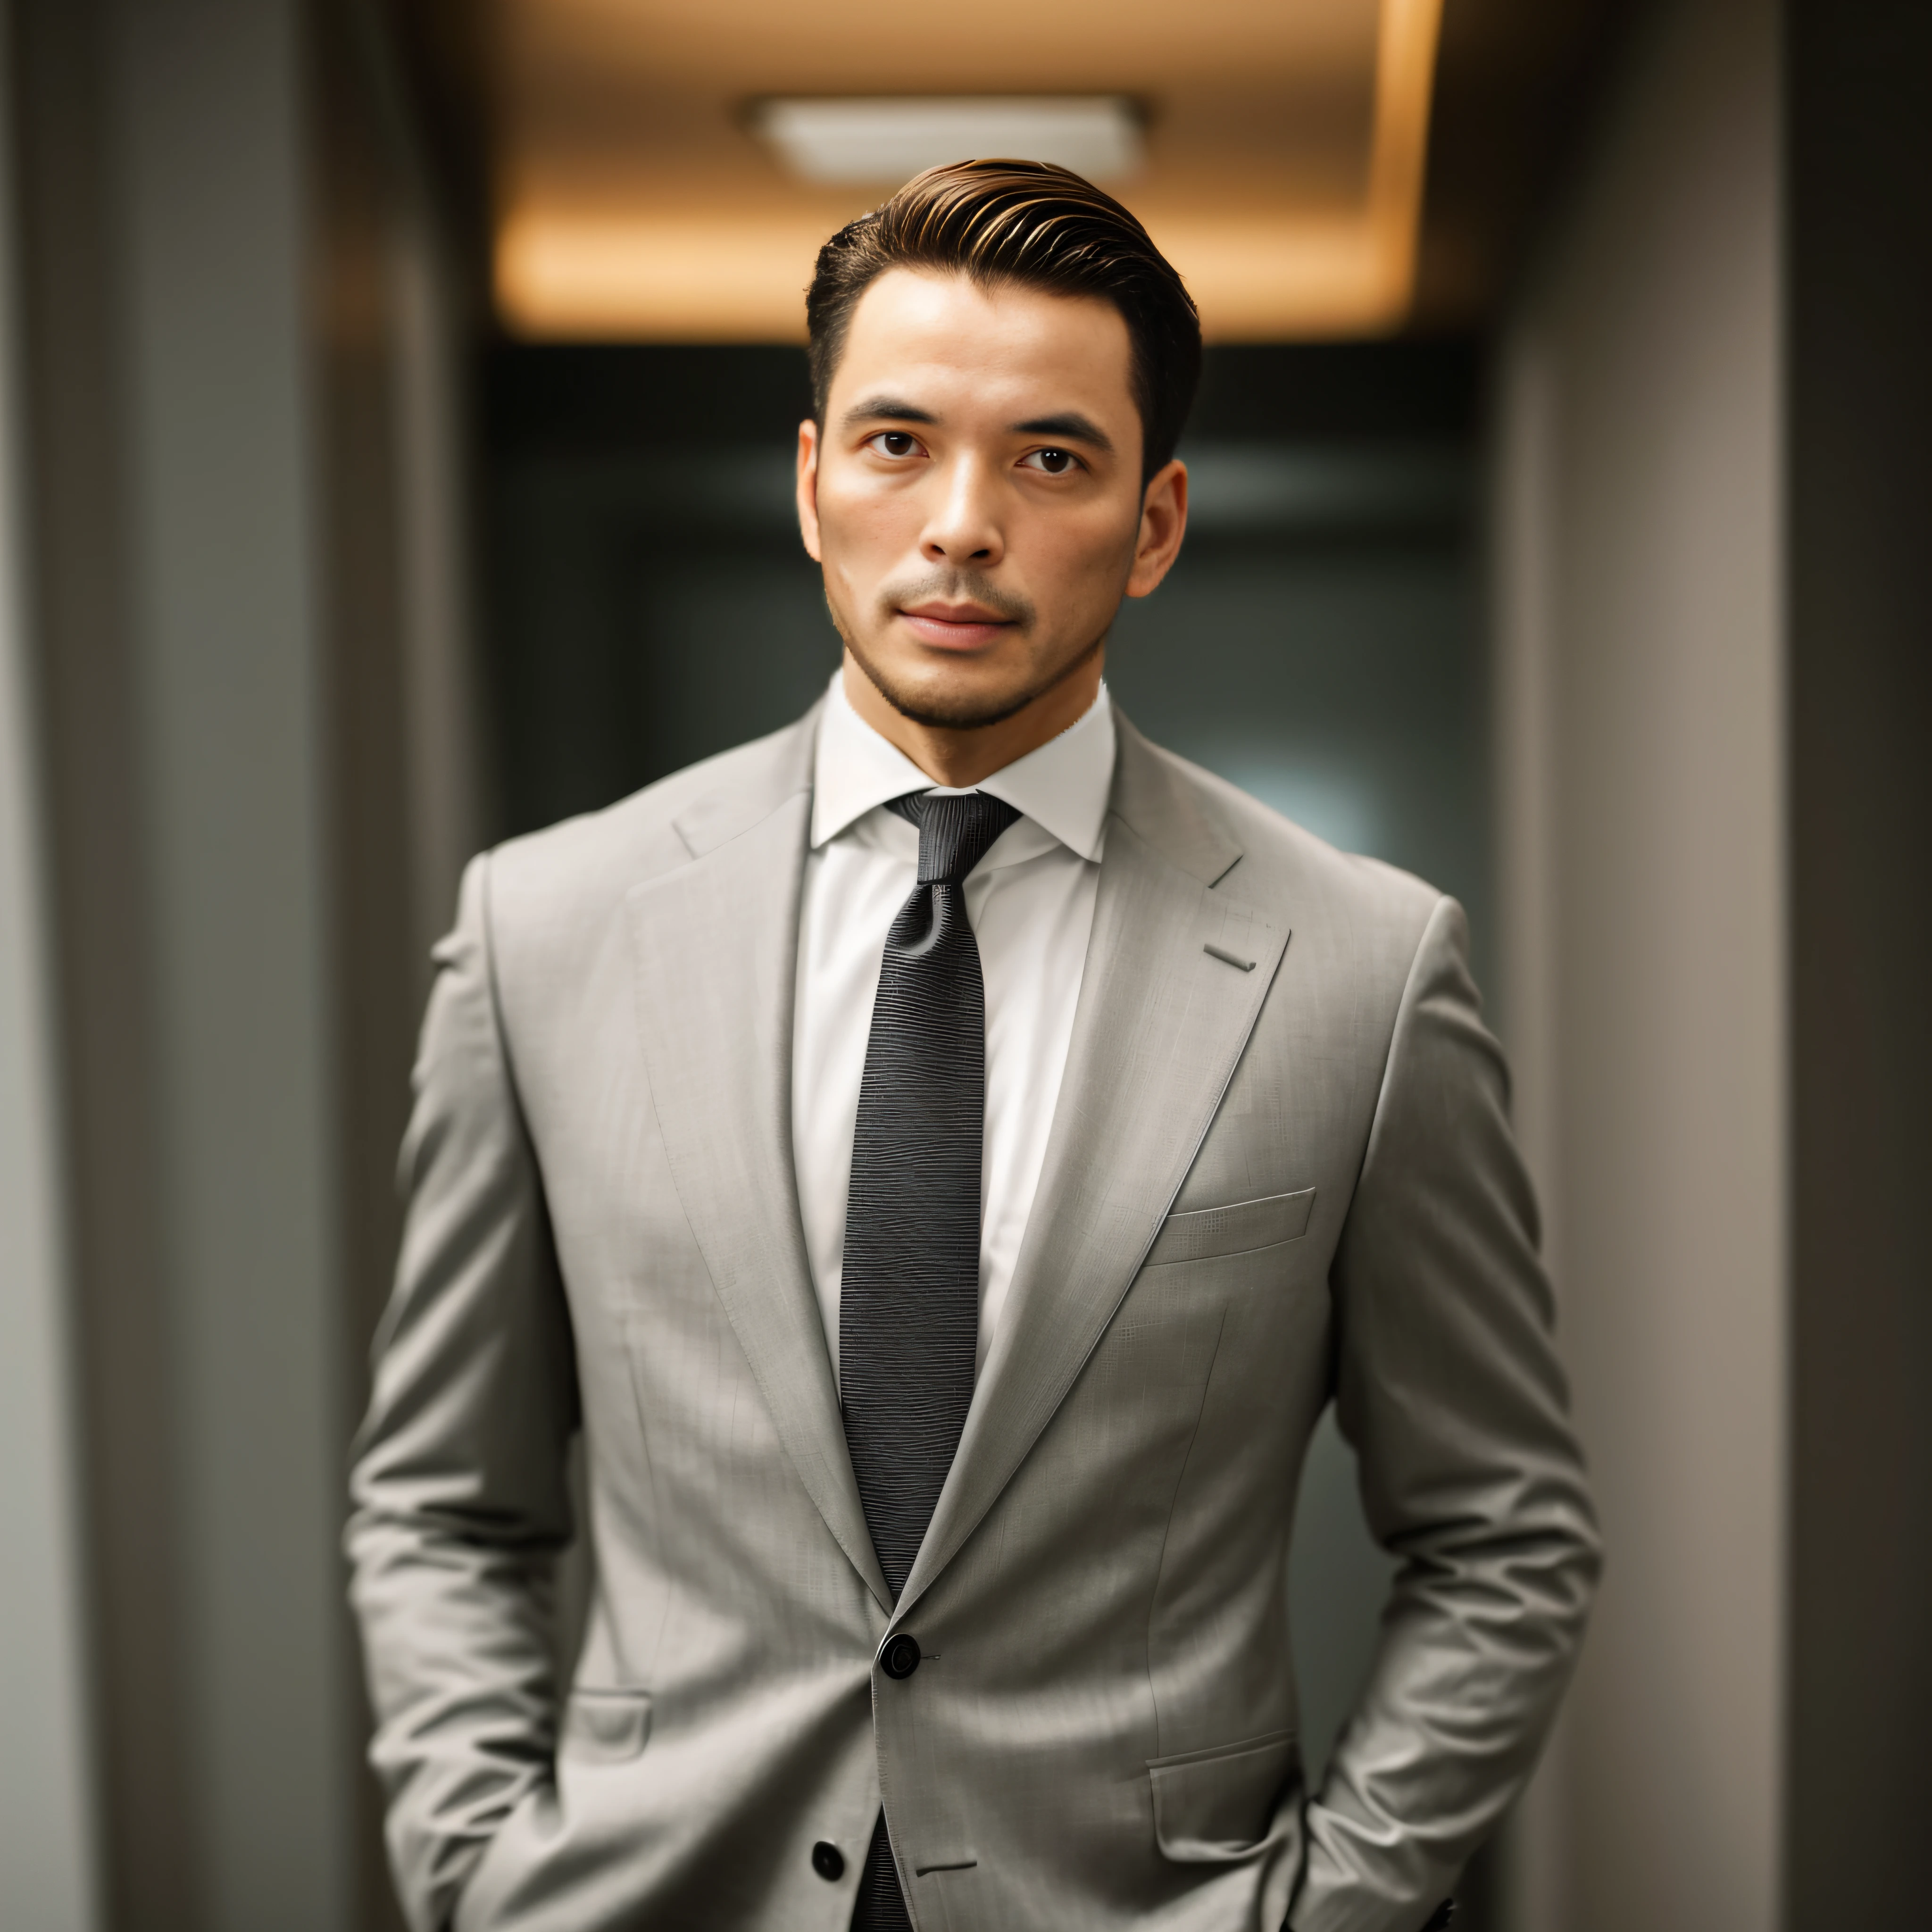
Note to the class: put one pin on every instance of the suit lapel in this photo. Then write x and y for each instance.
(715, 947)
(1160, 1026)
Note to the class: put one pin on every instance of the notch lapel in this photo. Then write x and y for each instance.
(1160, 1027)
(715, 945)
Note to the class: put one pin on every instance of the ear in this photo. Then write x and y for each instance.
(808, 488)
(1163, 524)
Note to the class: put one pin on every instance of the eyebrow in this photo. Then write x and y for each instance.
(1070, 425)
(1073, 425)
(891, 408)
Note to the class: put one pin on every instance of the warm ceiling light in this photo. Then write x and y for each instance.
(700, 239)
(867, 142)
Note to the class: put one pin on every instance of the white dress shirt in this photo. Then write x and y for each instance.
(1030, 900)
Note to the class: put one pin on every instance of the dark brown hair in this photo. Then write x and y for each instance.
(1040, 227)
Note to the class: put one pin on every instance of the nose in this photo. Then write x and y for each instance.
(964, 526)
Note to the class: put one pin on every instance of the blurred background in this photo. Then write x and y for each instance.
(396, 403)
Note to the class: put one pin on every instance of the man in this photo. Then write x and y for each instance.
(944, 1158)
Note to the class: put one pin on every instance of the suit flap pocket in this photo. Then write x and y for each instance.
(1219, 1803)
(1232, 1230)
(606, 1727)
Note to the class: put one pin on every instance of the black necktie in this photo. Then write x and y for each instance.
(909, 1297)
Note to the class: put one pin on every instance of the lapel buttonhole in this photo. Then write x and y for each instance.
(1230, 958)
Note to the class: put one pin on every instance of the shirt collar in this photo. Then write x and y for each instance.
(1063, 786)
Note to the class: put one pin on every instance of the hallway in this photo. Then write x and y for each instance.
(397, 424)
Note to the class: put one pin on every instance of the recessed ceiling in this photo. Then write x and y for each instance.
(634, 199)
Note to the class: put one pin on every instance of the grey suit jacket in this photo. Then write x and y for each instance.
(1269, 1182)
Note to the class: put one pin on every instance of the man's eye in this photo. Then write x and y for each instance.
(1054, 462)
(895, 443)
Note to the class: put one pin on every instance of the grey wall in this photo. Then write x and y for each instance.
(48, 1821)
(164, 212)
(205, 97)
(1642, 767)
(243, 547)
(1859, 98)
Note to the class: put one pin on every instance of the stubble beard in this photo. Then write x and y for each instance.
(965, 713)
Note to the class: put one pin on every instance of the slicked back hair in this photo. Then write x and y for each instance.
(1032, 225)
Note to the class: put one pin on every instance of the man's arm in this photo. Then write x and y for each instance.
(1449, 1388)
(461, 1497)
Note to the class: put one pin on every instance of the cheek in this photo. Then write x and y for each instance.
(1081, 558)
(856, 525)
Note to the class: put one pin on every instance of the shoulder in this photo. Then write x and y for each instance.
(1358, 906)
(578, 870)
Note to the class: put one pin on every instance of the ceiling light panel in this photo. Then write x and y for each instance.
(871, 142)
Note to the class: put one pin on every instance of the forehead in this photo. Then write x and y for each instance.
(998, 346)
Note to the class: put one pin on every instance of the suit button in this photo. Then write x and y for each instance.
(828, 1860)
(898, 1656)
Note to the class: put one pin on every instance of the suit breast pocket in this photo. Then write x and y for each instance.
(1236, 1229)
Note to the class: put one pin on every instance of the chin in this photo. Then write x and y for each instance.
(944, 705)
(950, 697)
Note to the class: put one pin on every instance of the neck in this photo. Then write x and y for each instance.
(960, 758)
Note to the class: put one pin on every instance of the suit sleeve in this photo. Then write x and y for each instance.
(1448, 1387)
(461, 1499)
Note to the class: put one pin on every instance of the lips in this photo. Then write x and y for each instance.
(955, 626)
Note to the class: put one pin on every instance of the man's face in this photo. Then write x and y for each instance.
(975, 498)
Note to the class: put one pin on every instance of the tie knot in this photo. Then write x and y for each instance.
(956, 831)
